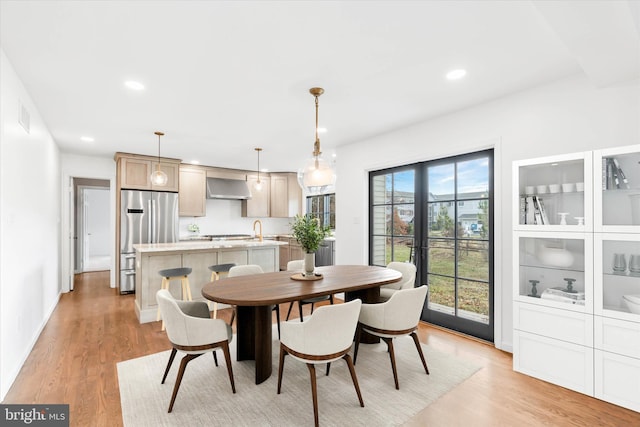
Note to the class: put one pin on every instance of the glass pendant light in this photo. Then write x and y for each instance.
(158, 177)
(258, 184)
(317, 176)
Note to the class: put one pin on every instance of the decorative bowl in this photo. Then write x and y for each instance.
(632, 302)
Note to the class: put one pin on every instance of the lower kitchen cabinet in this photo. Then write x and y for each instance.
(148, 263)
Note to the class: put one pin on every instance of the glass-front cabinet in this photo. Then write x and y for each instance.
(617, 190)
(576, 255)
(553, 193)
(551, 270)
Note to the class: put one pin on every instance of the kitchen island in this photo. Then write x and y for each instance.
(198, 255)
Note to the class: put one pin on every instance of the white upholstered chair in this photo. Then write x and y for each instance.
(192, 331)
(246, 270)
(298, 265)
(397, 317)
(324, 337)
(408, 280)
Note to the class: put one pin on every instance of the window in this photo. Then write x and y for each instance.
(324, 208)
(392, 215)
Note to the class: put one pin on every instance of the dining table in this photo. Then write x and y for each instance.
(255, 295)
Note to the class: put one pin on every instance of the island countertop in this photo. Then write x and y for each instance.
(205, 244)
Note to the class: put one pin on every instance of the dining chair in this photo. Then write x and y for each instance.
(245, 270)
(179, 273)
(298, 265)
(324, 337)
(408, 280)
(192, 331)
(396, 317)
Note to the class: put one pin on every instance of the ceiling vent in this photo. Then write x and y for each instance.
(24, 118)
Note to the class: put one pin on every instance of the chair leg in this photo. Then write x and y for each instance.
(183, 365)
(289, 311)
(352, 370)
(171, 357)
(312, 306)
(328, 368)
(300, 310)
(357, 339)
(331, 298)
(419, 348)
(227, 358)
(215, 310)
(277, 309)
(283, 353)
(314, 392)
(215, 358)
(392, 356)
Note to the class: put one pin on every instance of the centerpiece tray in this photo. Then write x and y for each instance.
(301, 277)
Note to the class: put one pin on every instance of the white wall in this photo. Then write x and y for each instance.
(563, 117)
(29, 226)
(224, 217)
(76, 166)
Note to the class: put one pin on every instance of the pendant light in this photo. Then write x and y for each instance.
(318, 175)
(258, 183)
(158, 177)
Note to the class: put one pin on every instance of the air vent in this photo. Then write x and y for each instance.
(24, 118)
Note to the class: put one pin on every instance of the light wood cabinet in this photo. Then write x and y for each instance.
(286, 195)
(193, 186)
(259, 204)
(134, 172)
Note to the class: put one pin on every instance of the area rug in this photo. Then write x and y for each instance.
(205, 397)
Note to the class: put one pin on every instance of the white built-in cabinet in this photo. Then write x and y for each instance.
(577, 228)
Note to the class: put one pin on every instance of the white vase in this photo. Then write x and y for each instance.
(309, 263)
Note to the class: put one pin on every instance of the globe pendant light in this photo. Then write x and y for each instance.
(318, 175)
(158, 177)
(258, 184)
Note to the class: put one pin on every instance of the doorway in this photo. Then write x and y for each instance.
(439, 216)
(91, 225)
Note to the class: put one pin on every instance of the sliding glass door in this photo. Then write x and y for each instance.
(439, 215)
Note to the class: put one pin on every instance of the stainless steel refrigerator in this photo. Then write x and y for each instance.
(145, 217)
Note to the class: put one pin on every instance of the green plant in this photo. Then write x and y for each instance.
(308, 232)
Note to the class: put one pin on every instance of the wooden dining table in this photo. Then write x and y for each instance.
(255, 296)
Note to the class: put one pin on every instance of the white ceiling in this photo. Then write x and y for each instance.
(224, 77)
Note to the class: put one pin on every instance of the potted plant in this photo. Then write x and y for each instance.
(309, 233)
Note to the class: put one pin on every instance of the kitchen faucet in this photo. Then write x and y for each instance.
(257, 221)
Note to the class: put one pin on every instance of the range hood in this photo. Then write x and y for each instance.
(220, 188)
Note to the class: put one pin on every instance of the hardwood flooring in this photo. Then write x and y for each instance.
(93, 328)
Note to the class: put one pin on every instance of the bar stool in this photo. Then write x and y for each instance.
(174, 274)
(216, 271)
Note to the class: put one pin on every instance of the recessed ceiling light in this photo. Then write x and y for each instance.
(194, 162)
(456, 74)
(133, 85)
(264, 170)
(322, 130)
(86, 139)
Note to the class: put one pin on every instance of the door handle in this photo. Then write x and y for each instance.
(129, 273)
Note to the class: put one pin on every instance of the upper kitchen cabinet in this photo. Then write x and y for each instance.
(192, 195)
(258, 206)
(134, 172)
(286, 195)
(617, 189)
(553, 193)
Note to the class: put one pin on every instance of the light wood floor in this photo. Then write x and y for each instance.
(93, 328)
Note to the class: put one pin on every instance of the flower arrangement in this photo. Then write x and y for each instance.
(194, 228)
(308, 232)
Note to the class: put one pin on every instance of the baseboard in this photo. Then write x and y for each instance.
(10, 379)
